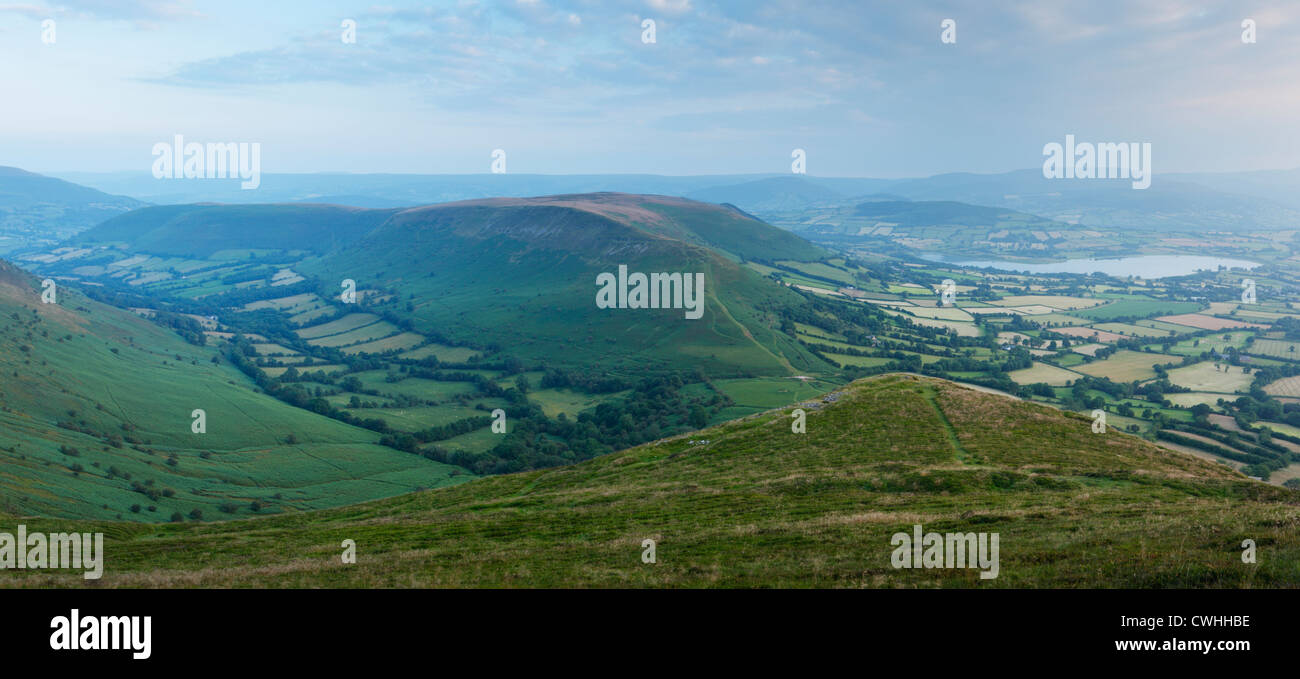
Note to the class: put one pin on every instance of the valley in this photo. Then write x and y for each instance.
(422, 358)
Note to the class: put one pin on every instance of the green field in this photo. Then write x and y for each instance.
(1122, 308)
(1044, 373)
(1131, 330)
(1284, 349)
(1204, 377)
(1125, 366)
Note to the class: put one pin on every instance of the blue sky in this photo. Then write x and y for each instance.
(867, 88)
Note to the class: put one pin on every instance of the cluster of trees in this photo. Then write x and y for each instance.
(656, 407)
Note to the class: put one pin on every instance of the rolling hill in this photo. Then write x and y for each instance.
(1170, 204)
(773, 194)
(516, 274)
(96, 408)
(522, 274)
(860, 219)
(40, 210)
(203, 230)
(751, 504)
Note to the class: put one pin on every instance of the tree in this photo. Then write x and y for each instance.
(699, 417)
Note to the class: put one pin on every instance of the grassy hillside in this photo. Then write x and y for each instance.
(521, 274)
(750, 504)
(516, 274)
(95, 418)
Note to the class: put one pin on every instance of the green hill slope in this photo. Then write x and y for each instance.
(521, 274)
(95, 417)
(514, 274)
(750, 504)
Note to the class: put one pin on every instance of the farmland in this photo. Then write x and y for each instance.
(1205, 376)
(1123, 366)
(428, 375)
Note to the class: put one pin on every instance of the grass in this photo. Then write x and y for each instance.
(1122, 308)
(1062, 302)
(759, 506)
(338, 326)
(1284, 349)
(118, 392)
(1203, 377)
(1125, 366)
(1131, 329)
(397, 342)
(1042, 372)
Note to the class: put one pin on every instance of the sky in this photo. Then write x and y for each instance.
(867, 89)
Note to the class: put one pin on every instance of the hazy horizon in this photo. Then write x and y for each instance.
(573, 87)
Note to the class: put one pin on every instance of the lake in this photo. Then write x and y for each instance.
(1144, 266)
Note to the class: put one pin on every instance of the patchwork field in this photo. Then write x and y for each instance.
(1058, 320)
(962, 329)
(1192, 398)
(942, 313)
(1087, 349)
(345, 324)
(1042, 372)
(1287, 386)
(1204, 377)
(440, 351)
(859, 361)
(1284, 349)
(368, 333)
(1204, 322)
(1091, 334)
(1127, 308)
(1166, 328)
(1131, 330)
(1124, 366)
(401, 341)
(1062, 302)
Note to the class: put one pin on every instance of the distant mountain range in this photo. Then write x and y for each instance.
(35, 209)
(1200, 201)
